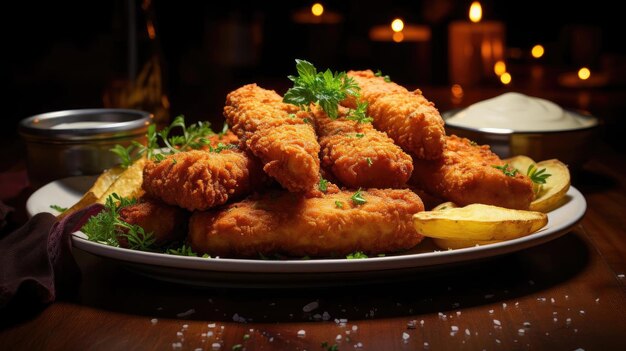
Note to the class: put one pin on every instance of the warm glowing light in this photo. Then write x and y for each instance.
(150, 29)
(398, 37)
(475, 12)
(457, 91)
(584, 73)
(317, 9)
(537, 51)
(505, 78)
(397, 25)
(499, 68)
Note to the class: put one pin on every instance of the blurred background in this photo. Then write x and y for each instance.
(182, 57)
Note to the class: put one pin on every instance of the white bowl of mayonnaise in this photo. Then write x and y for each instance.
(517, 124)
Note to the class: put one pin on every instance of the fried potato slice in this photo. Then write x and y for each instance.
(478, 222)
(102, 183)
(452, 244)
(128, 184)
(520, 162)
(445, 206)
(553, 191)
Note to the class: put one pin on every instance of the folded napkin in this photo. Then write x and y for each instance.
(36, 261)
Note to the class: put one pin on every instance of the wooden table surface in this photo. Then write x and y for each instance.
(567, 294)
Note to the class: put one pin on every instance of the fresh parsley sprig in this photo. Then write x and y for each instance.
(106, 227)
(327, 89)
(507, 169)
(538, 177)
(379, 73)
(358, 198)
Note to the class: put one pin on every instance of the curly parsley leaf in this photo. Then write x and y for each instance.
(357, 198)
(356, 255)
(327, 89)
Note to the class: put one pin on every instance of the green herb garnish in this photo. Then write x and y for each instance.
(356, 255)
(385, 77)
(106, 227)
(357, 198)
(327, 347)
(507, 169)
(323, 185)
(538, 177)
(326, 89)
(339, 204)
(359, 135)
(360, 113)
(369, 161)
(220, 147)
(58, 208)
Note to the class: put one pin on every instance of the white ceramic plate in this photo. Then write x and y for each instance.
(263, 273)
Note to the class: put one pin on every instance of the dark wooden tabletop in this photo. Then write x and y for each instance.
(566, 294)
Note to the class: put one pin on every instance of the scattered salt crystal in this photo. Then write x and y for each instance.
(154, 321)
(582, 312)
(272, 339)
(338, 337)
(541, 299)
(347, 332)
(185, 326)
(209, 334)
(411, 324)
(216, 346)
(421, 322)
(575, 330)
(521, 331)
(203, 335)
(310, 306)
(497, 322)
(301, 333)
(454, 328)
(405, 336)
(526, 324)
(503, 305)
(552, 300)
(358, 345)
(498, 341)
(580, 349)
(621, 275)
(467, 332)
(555, 319)
(568, 321)
(490, 311)
(547, 333)
(458, 313)
(355, 328)
(187, 313)
(597, 300)
(516, 304)
(566, 297)
(179, 334)
(177, 346)
(198, 349)
(426, 344)
(555, 313)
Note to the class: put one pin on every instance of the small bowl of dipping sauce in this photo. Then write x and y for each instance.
(77, 142)
(517, 124)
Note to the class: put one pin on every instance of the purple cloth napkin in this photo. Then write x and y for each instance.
(36, 261)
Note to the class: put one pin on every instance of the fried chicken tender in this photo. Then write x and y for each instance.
(227, 138)
(199, 179)
(408, 118)
(466, 174)
(278, 134)
(359, 155)
(167, 223)
(293, 225)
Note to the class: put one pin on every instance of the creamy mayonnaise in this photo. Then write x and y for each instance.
(515, 112)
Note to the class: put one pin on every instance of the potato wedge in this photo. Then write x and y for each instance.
(520, 162)
(451, 244)
(445, 206)
(550, 194)
(102, 183)
(478, 222)
(128, 184)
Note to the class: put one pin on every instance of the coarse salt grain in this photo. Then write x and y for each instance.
(411, 324)
(621, 275)
(185, 326)
(490, 311)
(498, 341)
(426, 344)
(568, 321)
(301, 333)
(503, 305)
(358, 345)
(467, 332)
(454, 328)
(310, 306)
(421, 322)
(582, 312)
(338, 337)
(405, 336)
(597, 300)
(527, 324)
(211, 325)
(216, 346)
(555, 319)
(355, 328)
(458, 313)
(521, 331)
(177, 346)
(496, 322)
(552, 300)
(154, 321)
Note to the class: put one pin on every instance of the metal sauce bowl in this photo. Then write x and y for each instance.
(78, 142)
(572, 147)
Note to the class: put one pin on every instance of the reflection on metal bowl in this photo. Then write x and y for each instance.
(78, 142)
(572, 147)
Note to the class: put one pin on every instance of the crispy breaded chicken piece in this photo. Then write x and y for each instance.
(292, 225)
(359, 155)
(278, 134)
(199, 179)
(227, 138)
(466, 174)
(167, 223)
(408, 118)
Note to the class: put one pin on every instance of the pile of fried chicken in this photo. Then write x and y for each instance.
(300, 183)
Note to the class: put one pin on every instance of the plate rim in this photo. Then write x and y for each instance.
(575, 208)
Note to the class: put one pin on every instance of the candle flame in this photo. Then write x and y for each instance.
(475, 12)
(584, 73)
(499, 68)
(317, 9)
(537, 51)
(397, 25)
(505, 78)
